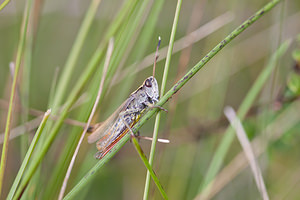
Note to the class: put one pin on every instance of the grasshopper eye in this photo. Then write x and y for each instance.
(148, 83)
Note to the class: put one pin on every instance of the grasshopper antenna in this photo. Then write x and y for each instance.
(156, 55)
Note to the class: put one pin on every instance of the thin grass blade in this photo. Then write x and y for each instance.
(28, 155)
(245, 143)
(20, 51)
(148, 166)
(163, 87)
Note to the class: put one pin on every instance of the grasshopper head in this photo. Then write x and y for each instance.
(151, 88)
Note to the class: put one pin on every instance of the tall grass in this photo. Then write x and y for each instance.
(182, 166)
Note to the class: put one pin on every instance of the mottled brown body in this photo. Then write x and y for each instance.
(116, 126)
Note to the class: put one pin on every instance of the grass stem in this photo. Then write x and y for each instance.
(21, 47)
(163, 87)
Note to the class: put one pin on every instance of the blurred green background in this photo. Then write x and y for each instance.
(195, 123)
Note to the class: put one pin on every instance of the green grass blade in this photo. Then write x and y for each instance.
(21, 47)
(28, 155)
(74, 54)
(244, 108)
(3, 4)
(90, 175)
(148, 166)
(163, 87)
(25, 88)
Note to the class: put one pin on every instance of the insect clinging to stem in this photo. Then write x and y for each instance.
(120, 122)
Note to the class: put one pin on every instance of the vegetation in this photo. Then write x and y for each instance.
(52, 56)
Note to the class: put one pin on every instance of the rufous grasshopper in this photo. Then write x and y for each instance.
(109, 132)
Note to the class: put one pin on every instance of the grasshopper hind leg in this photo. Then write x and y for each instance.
(99, 155)
(122, 117)
(103, 151)
(137, 135)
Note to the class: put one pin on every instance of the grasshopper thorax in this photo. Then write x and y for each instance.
(151, 88)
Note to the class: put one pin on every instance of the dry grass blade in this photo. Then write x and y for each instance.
(228, 174)
(106, 64)
(274, 131)
(20, 130)
(242, 136)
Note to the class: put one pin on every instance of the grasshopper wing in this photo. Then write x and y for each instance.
(104, 127)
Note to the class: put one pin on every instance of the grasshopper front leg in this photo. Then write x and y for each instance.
(156, 106)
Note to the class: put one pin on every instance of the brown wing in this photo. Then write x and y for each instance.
(104, 127)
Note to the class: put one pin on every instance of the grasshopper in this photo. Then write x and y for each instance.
(120, 122)
(109, 132)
